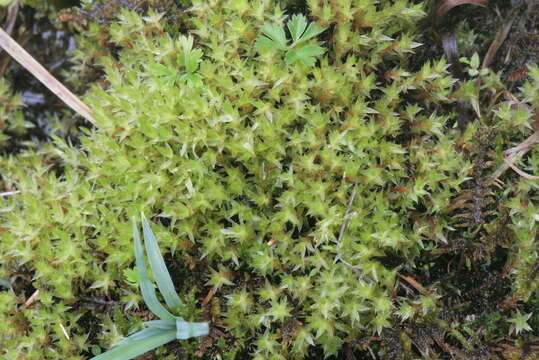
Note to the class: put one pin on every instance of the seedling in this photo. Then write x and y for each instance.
(187, 65)
(474, 66)
(275, 40)
(169, 327)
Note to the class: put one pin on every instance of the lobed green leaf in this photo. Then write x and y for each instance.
(313, 30)
(276, 34)
(305, 54)
(297, 26)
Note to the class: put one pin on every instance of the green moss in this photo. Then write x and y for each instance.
(251, 173)
(11, 116)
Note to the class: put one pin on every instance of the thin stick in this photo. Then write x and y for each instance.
(512, 154)
(347, 213)
(341, 234)
(525, 145)
(208, 297)
(31, 299)
(414, 283)
(64, 331)
(12, 11)
(97, 301)
(11, 19)
(9, 193)
(345, 222)
(518, 171)
(34, 67)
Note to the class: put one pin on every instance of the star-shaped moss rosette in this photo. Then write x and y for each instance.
(169, 327)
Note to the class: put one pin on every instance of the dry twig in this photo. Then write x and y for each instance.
(30, 64)
(9, 193)
(512, 155)
(31, 299)
(498, 40)
(341, 234)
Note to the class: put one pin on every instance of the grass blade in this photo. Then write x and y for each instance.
(149, 339)
(146, 287)
(162, 324)
(160, 272)
(186, 330)
(145, 333)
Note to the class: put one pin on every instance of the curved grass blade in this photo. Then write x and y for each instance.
(145, 333)
(160, 272)
(148, 339)
(146, 287)
(162, 324)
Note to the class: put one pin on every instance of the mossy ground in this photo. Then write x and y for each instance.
(342, 210)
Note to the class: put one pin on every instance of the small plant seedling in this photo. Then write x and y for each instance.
(189, 60)
(474, 66)
(169, 327)
(188, 63)
(275, 40)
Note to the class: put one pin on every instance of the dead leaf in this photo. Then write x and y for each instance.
(414, 283)
(497, 42)
(447, 5)
(208, 297)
